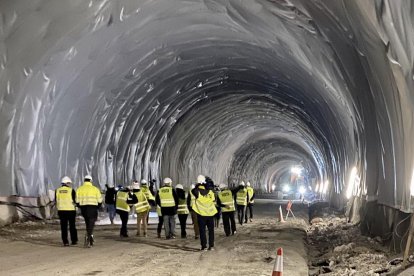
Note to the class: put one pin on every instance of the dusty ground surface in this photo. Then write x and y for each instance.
(34, 248)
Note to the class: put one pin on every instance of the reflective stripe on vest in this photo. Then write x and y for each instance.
(204, 205)
(142, 204)
(166, 197)
(226, 198)
(182, 207)
(121, 201)
(241, 197)
(64, 201)
(87, 194)
(192, 199)
(250, 192)
(147, 193)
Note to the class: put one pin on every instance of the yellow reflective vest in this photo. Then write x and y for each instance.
(241, 197)
(64, 201)
(147, 193)
(250, 192)
(142, 205)
(226, 198)
(166, 197)
(87, 194)
(121, 201)
(182, 207)
(205, 205)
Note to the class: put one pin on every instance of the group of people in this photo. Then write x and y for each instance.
(205, 202)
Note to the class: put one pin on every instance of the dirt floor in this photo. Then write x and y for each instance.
(34, 248)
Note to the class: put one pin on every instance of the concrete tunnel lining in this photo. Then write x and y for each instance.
(109, 87)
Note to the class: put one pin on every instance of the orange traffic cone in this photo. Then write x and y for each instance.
(281, 219)
(278, 268)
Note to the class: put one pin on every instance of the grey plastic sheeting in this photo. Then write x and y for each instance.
(231, 89)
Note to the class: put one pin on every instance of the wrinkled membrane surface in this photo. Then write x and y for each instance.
(231, 89)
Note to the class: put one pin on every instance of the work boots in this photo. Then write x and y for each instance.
(86, 242)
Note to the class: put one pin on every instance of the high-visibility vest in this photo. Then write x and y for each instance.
(226, 198)
(250, 192)
(87, 194)
(121, 201)
(166, 197)
(182, 207)
(205, 205)
(64, 201)
(192, 199)
(147, 193)
(159, 211)
(241, 197)
(142, 205)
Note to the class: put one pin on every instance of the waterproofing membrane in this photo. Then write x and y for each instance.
(231, 89)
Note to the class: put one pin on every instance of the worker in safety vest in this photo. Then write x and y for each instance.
(250, 202)
(65, 198)
(141, 208)
(125, 198)
(182, 210)
(149, 193)
(168, 200)
(89, 198)
(205, 207)
(241, 200)
(225, 200)
(190, 204)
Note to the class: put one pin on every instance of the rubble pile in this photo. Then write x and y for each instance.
(338, 248)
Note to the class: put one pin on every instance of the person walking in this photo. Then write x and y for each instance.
(190, 204)
(250, 202)
(110, 196)
(182, 210)
(89, 199)
(142, 209)
(241, 200)
(168, 200)
(204, 206)
(124, 199)
(65, 198)
(225, 200)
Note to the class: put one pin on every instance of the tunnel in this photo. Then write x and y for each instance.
(236, 90)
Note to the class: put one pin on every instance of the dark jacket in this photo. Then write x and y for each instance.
(131, 199)
(168, 211)
(110, 196)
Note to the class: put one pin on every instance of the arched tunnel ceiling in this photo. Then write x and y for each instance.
(232, 89)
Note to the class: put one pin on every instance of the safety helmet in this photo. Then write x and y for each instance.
(143, 182)
(222, 186)
(167, 180)
(111, 185)
(248, 184)
(201, 179)
(135, 186)
(66, 180)
(179, 186)
(88, 177)
(242, 183)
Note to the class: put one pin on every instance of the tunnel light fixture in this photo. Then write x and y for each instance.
(325, 187)
(317, 187)
(302, 189)
(273, 187)
(296, 170)
(286, 188)
(351, 183)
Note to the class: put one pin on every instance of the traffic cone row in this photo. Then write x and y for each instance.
(278, 267)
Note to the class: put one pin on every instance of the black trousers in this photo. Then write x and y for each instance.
(124, 215)
(240, 213)
(160, 224)
(229, 223)
(68, 217)
(183, 224)
(90, 214)
(204, 222)
(249, 209)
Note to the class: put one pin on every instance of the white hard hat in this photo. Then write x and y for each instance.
(143, 182)
(135, 186)
(179, 186)
(242, 183)
(88, 177)
(201, 179)
(167, 180)
(111, 185)
(222, 186)
(66, 180)
(248, 184)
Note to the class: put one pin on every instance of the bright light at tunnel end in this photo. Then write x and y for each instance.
(286, 188)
